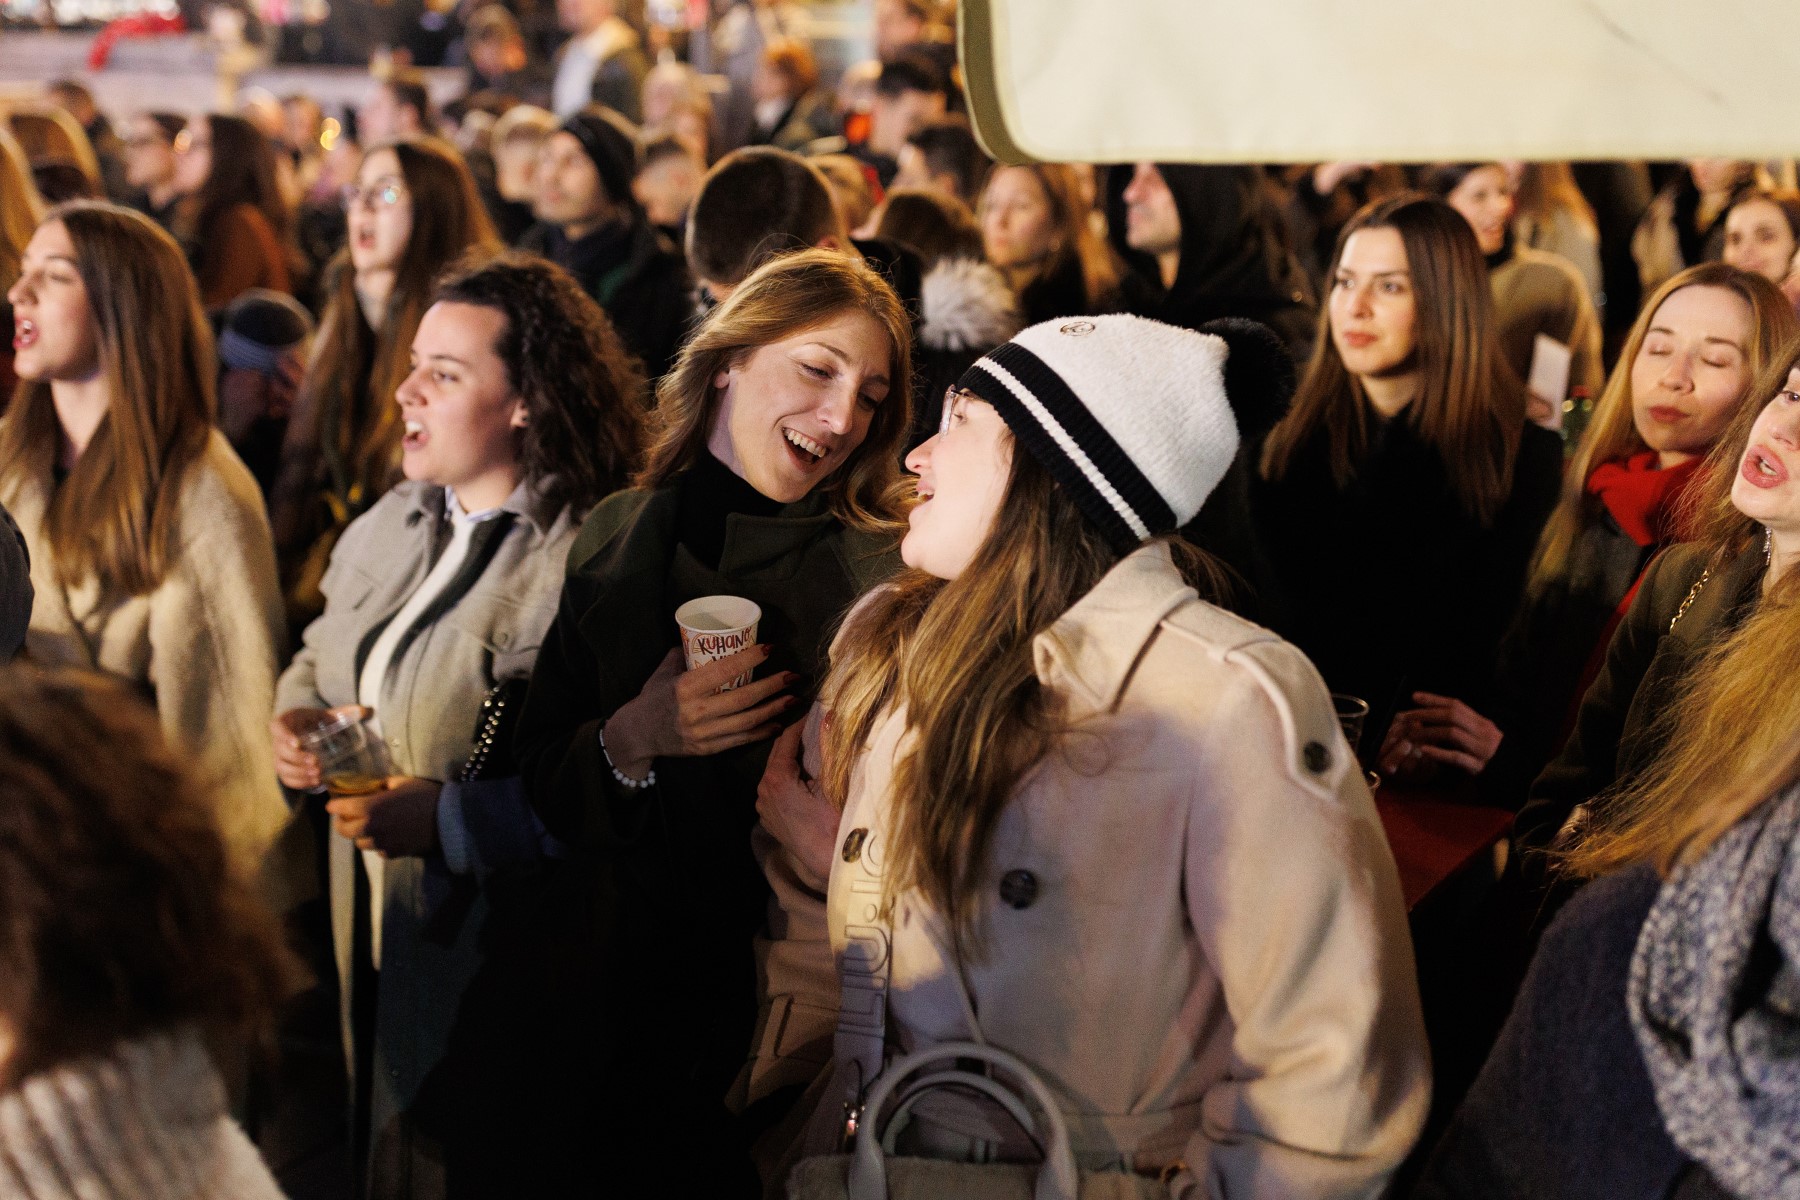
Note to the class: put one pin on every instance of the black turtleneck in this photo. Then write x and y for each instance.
(711, 492)
(1503, 255)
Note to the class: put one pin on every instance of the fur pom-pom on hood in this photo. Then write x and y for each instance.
(966, 305)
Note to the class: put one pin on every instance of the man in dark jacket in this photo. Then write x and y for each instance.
(1204, 242)
(590, 225)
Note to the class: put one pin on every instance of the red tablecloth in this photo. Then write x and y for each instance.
(1434, 835)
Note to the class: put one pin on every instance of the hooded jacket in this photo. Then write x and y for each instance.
(1234, 258)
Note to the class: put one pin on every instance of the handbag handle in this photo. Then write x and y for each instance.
(1057, 1178)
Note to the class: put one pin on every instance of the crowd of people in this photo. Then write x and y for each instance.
(1111, 532)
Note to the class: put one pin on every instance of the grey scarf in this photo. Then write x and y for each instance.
(1714, 998)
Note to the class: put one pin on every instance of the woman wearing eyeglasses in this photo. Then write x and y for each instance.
(412, 209)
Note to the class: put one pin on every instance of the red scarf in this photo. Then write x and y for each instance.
(1649, 504)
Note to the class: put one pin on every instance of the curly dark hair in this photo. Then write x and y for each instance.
(584, 393)
(121, 912)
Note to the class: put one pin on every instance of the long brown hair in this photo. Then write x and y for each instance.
(1612, 433)
(1076, 241)
(1729, 738)
(782, 297)
(20, 207)
(115, 516)
(1470, 408)
(957, 656)
(125, 915)
(242, 172)
(356, 370)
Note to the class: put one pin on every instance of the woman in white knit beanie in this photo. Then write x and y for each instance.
(1092, 821)
(127, 945)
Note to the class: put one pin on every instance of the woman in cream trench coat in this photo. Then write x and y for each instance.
(1184, 915)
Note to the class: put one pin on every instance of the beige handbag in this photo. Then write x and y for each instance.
(871, 1172)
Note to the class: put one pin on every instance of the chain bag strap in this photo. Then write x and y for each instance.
(1693, 594)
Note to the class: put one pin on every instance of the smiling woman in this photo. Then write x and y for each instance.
(772, 474)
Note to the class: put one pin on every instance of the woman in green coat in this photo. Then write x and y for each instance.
(772, 474)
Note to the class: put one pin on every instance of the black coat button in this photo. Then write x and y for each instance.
(1018, 888)
(853, 844)
(1317, 757)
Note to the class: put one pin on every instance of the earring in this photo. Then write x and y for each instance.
(1768, 545)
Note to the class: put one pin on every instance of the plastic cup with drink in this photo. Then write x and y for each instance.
(351, 762)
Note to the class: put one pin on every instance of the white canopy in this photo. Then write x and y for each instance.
(1381, 80)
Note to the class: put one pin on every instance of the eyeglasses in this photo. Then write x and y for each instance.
(381, 195)
(951, 396)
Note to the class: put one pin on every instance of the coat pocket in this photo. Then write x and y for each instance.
(510, 633)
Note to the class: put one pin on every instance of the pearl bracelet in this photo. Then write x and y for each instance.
(624, 779)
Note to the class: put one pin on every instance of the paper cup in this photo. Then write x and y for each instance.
(714, 627)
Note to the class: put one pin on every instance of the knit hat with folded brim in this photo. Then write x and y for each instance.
(1129, 416)
(610, 141)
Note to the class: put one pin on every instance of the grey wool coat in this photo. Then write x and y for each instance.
(497, 612)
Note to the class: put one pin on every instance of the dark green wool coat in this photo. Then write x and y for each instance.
(670, 892)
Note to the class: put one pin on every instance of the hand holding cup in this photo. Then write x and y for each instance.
(684, 714)
(296, 757)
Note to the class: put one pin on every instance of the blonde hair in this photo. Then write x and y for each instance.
(1729, 738)
(48, 133)
(1612, 433)
(782, 297)
(1546, 188)
(21, 208)
(115, 516)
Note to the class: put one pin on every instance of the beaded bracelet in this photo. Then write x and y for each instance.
(624, 779)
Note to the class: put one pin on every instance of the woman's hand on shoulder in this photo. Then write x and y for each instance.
(1441, 732)
(685, 714)
(796, 811)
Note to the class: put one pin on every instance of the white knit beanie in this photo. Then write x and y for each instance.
(1129, 416)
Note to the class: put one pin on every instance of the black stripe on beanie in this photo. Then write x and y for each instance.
(1039, 443)
(1078, 421)
(1108, 457)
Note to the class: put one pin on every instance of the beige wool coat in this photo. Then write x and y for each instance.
(1210, 962)
(203, 646)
